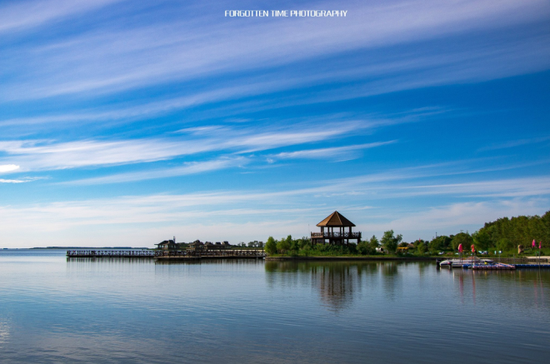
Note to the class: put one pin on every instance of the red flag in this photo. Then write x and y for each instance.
(460, 248)
(473, 248)
(540, 244)
(534, 245)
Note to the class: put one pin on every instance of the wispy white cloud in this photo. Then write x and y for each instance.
(156, 53)
(186, 169)
(265, 141)
(452, 218)
(335, 153)
(450, 179)
(217, 215)
(20, 180)
(515, 143)
(13, 180)
(8, 168)
(48, 155)
(148, 109)
(29, 14)
(514, 187)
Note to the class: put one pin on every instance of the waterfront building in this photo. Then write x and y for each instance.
(196, 246)
(167, 245)
(224, 245)
(340, 236)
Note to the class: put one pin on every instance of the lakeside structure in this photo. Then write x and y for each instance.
(169, 250)
(197, 245)
(338, 237)
(191, 253)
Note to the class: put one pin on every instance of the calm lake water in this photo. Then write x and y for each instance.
(248, 311)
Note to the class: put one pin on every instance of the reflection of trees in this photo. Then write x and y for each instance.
(423, 266)
(389, 272)
(335, 282)
(389, 268)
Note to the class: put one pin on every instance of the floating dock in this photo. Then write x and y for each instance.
(496, 266)
(532, 266)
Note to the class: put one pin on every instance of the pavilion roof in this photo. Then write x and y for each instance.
(335, 219)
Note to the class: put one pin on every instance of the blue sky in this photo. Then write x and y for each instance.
(125, 123)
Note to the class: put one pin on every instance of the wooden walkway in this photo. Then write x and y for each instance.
(110, 253)
(171, 255)
(168, 255)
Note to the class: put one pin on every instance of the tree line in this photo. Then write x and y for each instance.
(504, 235)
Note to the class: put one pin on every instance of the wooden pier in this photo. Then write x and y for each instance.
(110, 253)
(173, 255)
(168, 255)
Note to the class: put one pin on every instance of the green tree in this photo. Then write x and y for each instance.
(294, 244)
(390, 242)
(364, 248)
(545, 226)
(462, 238)
(506, 233)
(482, 239)
(434, 246)
(374, 243)
(284, 244)
(421, 246)
(304, 243)
(271, 246)
(505, 244)
(440, 243)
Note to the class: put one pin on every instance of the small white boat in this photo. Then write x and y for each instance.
(460, 263)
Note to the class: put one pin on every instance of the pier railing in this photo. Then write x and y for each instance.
(337, 235)
(227, 253)
(122, 253)
(166, 254)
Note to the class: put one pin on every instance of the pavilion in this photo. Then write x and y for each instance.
(338, 237)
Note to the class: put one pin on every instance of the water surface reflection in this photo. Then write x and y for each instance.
(336, 283)
(247, 311)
